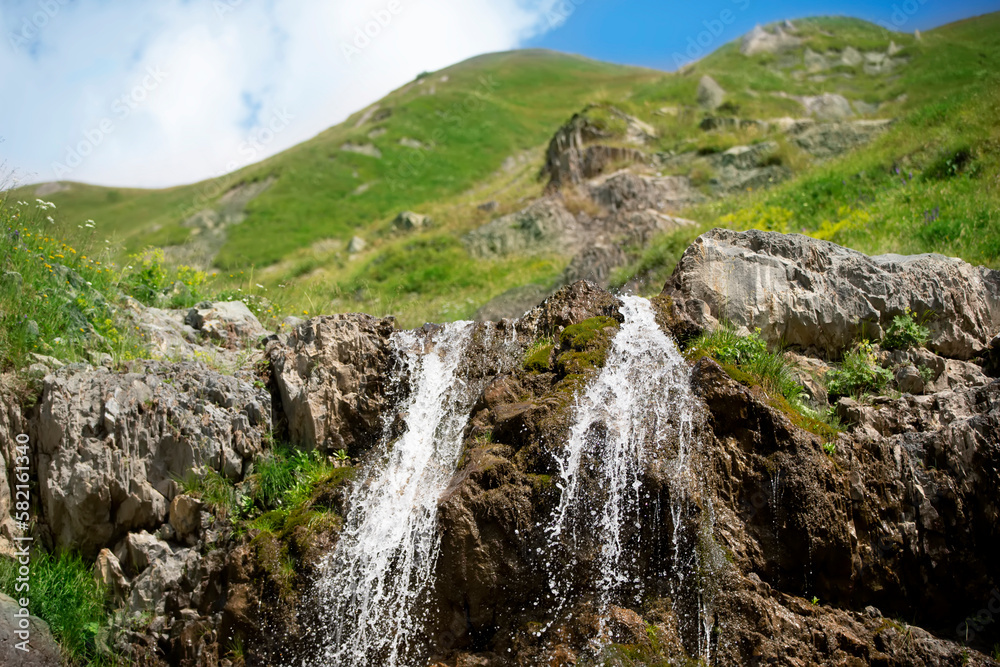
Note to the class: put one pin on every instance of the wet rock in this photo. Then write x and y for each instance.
(814, 294)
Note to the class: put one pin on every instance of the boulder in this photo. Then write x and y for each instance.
(356, 245)
(816, 295)
(409, 221)
(225, 321)
(43, 651)
(828, 106)
(185, 516)
(334, 379)
(710, 93)
(824, 140)
(108, 572)
(110, 447)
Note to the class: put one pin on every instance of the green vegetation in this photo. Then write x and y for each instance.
(905, 332)
(750, 356)
(585, 345)
(65, 595)
(537, 357)
(859, 374)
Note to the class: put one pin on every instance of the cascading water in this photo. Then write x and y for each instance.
(640, 405)
(372, 584)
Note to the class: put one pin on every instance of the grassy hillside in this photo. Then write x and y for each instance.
(930, 184)
(476, 132)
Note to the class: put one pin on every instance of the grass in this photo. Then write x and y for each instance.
(750, 355)
(65, 595)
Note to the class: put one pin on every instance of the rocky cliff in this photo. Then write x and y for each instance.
(790, 541)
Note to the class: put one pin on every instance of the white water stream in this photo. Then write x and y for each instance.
(630, 414)
(372, 584)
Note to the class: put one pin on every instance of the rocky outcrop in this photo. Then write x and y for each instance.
(544, 226)
(583, 148)
(334, 379)
(772, 39)
(828, 106)
(824, 140)
(408, 221)
(625, 191)
(110, 448)
(816, 295)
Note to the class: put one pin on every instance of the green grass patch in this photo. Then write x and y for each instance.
(65, 595)
(859, 374)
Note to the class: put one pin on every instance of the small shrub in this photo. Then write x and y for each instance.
(905, 332)
(859, 374)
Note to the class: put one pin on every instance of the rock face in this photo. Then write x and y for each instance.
(816, 295)
(825, 140)
(110, 447)
(544, 226)
(828, 106)
(333, 378)
(633, 192)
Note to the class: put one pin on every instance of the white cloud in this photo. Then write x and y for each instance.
(163, 93)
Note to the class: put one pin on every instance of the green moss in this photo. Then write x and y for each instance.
(584, 335)
(537, 359)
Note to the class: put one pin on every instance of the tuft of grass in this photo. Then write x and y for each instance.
(216, 491)
(859, 374)
(750, 354)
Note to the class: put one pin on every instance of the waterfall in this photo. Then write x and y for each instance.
(371, 586)
(637, 412)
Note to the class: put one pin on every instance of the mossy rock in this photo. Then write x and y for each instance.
(585, 345)
(538, 360)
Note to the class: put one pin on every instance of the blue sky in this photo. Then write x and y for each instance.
(653, 33)
(163, 92)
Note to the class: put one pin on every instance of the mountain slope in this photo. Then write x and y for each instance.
(465, 145)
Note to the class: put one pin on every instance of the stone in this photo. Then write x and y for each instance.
(815, 295)
(356, 245)
(185, 516)
(108, 573)
(225, 321)
(542, 227)
(909, 380)
(583, 149)
(825, 140)
(332, 376)
(369, 150)
(710, 94)
(630, 192)
(828, 106)
(851, 57)
(43, 651)
(409, 221)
